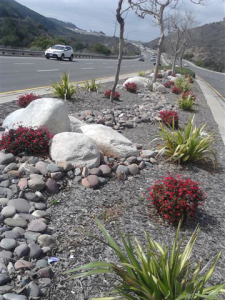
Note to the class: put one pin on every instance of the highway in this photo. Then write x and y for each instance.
(17, 73)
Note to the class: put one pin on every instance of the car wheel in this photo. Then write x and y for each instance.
(71, 57)
(62, 57)
(47, 57)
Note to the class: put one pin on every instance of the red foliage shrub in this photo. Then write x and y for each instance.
(171, 82)
(176, 198)
(176, 90)
(25, 139)
(170, 73)
(131, 87)
(167, 84)
(159, 76)
(169, 116)
(25, 100)
(116, 94)
(188, 94)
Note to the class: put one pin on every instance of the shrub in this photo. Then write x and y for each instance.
(64, 90)
(167, 84)
(176, 199)
(171, 82)
(91, 86)
(183, 83)
(182, 72)
(142, 74)
(188, 144)
(187, 101)
(169, 117)
(189, 77)
(116, 94)
(25, 100)
(131, 87)
(157, 271)
(159, 76)
(176, 90)
(25, 139)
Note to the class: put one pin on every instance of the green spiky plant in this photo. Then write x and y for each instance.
(188, 144)
(186, 103)
(142, 74)
(64, 90)
(183, 83)
(154, 273)
(91, 86)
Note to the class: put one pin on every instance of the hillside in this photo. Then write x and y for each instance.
(23, 27)
(205, 48)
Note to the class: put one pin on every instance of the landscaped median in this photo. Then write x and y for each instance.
(142, 163)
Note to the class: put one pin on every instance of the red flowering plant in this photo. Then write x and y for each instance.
(26, 139)
(116, 94)
(176, 90)
(25, 100)
(172, 83)
(131, 87)
(189, 95)
(176, 199)
(159, 76)
(167, 84)
(169, 117)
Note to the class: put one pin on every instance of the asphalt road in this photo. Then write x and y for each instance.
(17, 73)
(215, 79)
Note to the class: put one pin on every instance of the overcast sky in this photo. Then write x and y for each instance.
(98, 15)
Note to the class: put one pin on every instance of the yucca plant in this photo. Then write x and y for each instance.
(155, 273)
(183, 83)
(188, 144)
(142, 74)
(186, 103)
(64, 90)
(91, 86)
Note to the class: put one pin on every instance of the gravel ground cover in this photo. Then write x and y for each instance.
(120, 205)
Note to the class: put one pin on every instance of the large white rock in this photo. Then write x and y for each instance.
(159, 87)
(109, 141)
(171, 78)
(75, 148)
(75, 124)
(48, 112)
(141, 82)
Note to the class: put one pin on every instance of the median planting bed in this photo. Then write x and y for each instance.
(49, 205)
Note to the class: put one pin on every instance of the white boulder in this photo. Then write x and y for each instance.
(159, 87)
(48, 112)
(141, 82)
(75, 148)
(75, 124)
(171, 78)
(109, 141)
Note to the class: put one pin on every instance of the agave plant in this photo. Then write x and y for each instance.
(183, 83)
(64, 90)
(156, 273)
(188, 144)
(91, 86)
(186, 103)
(142, 74)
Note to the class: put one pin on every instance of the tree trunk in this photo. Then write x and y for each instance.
(181, 58)
(161, 39)
(121, 46)
(174, 63)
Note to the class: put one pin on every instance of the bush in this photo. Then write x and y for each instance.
(169, 117)
(25, 139)
(188, 144)
(167, 84)
(100, 48)
(142, 74)
(91, 86)
(187, 101)
(64, 90)
(157, 272)
(116, 94)
(171, 82)
(131, 87)
(176, 199)
(183, 83)
(176, 90)
(182, 72)
(159, 76)
(25, 100)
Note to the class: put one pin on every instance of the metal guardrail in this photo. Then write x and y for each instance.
(21, 52)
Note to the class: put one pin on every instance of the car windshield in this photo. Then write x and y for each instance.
(58, 47)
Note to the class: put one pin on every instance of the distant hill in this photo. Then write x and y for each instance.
(205, 48)
(23, 27)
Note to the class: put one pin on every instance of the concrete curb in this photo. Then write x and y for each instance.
(217, 106)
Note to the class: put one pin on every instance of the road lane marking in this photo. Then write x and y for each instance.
(48, 70)
(109, 67)
(87, 68)
(24, 63)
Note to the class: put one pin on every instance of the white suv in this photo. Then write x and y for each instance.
(60, 52)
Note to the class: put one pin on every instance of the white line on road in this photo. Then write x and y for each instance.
(48, 70)
(24, 63)
(109, 67)
(87, 68)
